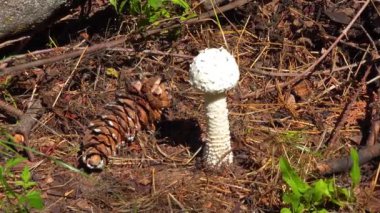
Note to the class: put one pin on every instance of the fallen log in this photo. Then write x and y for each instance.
(345, 163)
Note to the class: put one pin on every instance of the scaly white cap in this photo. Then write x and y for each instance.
(214, 71)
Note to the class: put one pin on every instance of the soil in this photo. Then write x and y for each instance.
(162, 171)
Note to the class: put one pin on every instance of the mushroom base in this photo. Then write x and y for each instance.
(218, 145)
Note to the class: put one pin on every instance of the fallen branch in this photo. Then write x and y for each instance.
(343, 164)
(309, 70)
(31, 54)
(15, 70)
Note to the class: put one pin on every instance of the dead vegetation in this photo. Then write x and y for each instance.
(309, 90)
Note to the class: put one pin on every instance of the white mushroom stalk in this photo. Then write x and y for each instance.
(214, 71)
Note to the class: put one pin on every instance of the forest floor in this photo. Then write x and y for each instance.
(306, 92)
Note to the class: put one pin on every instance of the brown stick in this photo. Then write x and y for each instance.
(309, 70)
(343, 164)
(15, 70)
(336, 132)
(10, 42)
(10, 110)
(27, 121)
(15, 57)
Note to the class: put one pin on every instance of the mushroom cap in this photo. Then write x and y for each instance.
(214, 70)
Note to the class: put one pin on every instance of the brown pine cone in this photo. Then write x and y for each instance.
(139, 109)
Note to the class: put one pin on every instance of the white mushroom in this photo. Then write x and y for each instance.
(213, 72)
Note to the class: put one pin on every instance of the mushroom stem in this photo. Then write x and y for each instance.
(218, 146)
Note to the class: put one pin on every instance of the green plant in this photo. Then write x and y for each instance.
(153, 10)
(19, 196)
(315, 196)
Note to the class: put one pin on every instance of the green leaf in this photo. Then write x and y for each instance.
(155, 4)
(345, 194)
(308, 196)
(355, 169)
(182, 4)
(13, 162)
(320, 190)
(19, 183)
(297, 185)
(285, 210)
(29, 184)
(67, 166)
(165, 13)
(122, 6)
(135, 6)
(292, 199)
(337, 202)
(154, 17)
(1, 172)
(25, 175)
(22, 200)
(300, 209)
(187, 16)
(34, 199)
(114, 4)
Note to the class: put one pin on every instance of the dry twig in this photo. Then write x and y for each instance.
(10, 42)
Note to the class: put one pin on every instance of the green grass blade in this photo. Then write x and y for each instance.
(355, 169)
(289, 175)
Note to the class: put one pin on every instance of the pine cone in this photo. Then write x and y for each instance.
(139, 109)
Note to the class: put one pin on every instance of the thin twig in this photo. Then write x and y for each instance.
(310, 70)
(369, 38)
(10, 42)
